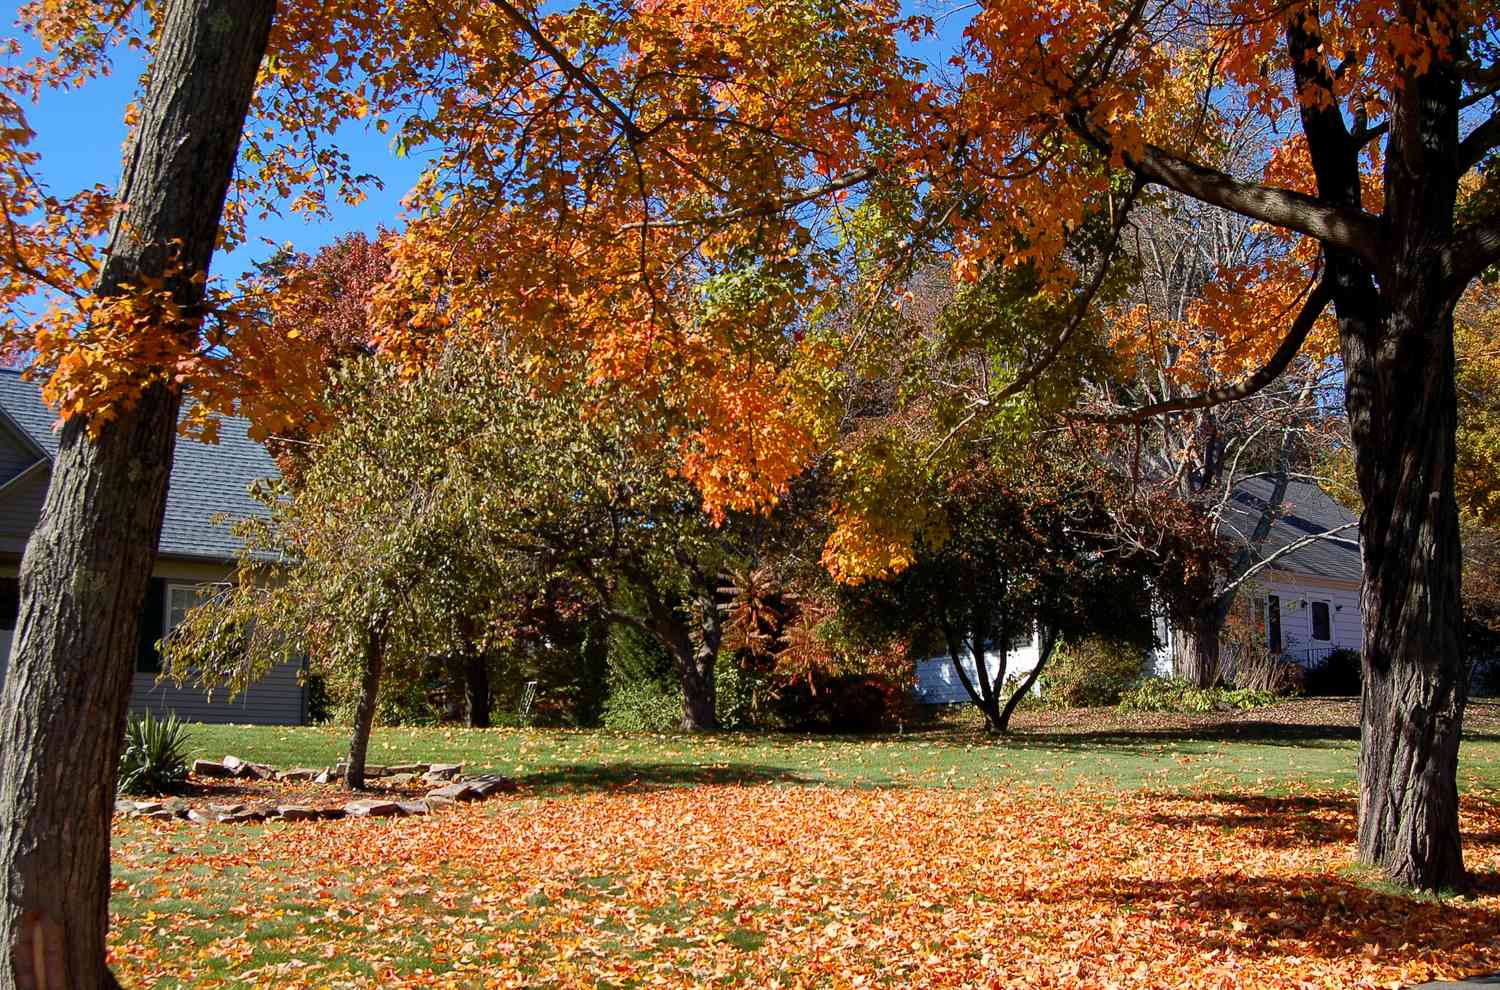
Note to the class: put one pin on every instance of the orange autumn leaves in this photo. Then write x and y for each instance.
(776, 886)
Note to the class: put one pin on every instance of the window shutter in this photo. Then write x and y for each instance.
(148, 660)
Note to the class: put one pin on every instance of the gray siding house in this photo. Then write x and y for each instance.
(195, 554)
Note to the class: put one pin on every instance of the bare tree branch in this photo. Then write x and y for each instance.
(1312, 308)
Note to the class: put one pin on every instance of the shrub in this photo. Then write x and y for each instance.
(1337, 675)
(740, 696)
(851, 703)
(643, 706)
(1090, 673)
(1262, 670)
(154, 760)
(1174, 694)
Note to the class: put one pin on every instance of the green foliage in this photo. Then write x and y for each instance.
(643, 706)
(154, 760)
(1337, 675)
(1174, 694)
(1090, 672)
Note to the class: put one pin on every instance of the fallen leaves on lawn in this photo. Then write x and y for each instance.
(767, 887)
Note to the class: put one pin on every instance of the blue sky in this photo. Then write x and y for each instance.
(80, 135)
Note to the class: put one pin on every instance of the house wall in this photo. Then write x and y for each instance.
(20, 508)
(1297, 592)
(938, 684)
(279, 698)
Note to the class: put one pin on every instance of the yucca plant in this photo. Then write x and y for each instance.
(154, 760)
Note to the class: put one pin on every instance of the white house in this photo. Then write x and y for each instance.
(1303, 599)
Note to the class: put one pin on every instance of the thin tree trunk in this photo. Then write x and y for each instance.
(86, 568)
(1048, 644)
(364, 710)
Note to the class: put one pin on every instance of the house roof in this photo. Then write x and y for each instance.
(1306, 511)
(207, 479)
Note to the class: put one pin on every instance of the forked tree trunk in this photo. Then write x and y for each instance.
(87, 566)
(368, 699)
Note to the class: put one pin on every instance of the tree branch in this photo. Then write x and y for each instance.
(765, 208)
(1312, 308)
(1351, 230)
(1480, 142)
(1291, 547)
(1473, 248)
(633, 132)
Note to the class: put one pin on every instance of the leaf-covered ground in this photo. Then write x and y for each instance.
(648, 871)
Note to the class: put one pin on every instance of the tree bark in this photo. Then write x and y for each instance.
(1198, 648)
(87, 566)
(364, 710)
(477, 690)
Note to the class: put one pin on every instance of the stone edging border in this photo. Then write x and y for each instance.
(451, 789)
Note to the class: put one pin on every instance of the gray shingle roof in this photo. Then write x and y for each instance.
(207, 479)
(1308, 510)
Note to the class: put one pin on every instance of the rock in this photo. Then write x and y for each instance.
(491, 784)
(332, 814)
(227, 809)
(372, 770)
(148, 807)
(296, 812)
(257, 770)
(124, 807)
(300, 775)
(436, 801)
(441, 772)
(208, 768)
(177, 807)
(401, 779)
(202, 818)
(415, 807)
(458, 791)
(160, 814)
(234, 764)
(244, 816)
(373, 808)
(411, 768)
(326, 777)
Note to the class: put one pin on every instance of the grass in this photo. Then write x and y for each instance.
(1084, 850)
(1262, 755)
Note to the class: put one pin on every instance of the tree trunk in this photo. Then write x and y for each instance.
(477, 690)
(695, 661)
(1198, 648)
(364, 710)
(1396, 332)
(1048, 645)
(86, 568)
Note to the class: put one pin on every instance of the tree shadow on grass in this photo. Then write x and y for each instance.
(1269, 822)
(1310, 916)
(636, 776)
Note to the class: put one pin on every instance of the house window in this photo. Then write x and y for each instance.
(1322, 628)
(182, 598)
(1273, 622)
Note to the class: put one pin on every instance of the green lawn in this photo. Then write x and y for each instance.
(1245, 751)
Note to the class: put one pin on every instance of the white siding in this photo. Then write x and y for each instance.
(1298, 595)
(938, 683)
